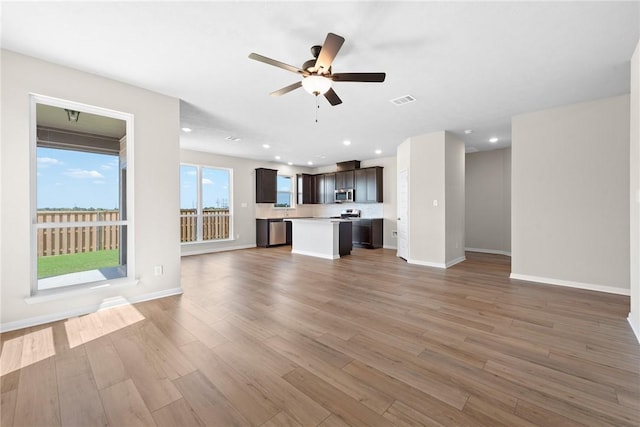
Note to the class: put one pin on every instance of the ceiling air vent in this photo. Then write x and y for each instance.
(232, 138)
(403, 100)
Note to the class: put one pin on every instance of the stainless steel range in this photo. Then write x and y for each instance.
(350, 214)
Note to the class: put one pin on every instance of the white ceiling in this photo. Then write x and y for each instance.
(470, 65)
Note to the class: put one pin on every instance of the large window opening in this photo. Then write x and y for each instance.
(81, 223)
(205, 200)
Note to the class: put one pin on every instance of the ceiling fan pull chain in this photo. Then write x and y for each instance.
(317, 108)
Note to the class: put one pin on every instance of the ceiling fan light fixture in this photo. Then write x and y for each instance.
(316, 85)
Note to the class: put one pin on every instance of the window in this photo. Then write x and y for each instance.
(81, 227)
(284, 192)
(205, 195)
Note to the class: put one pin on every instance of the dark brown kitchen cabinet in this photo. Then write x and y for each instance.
(306, 188)
(266, 185)
(329, 188)
(325, 184)
(367, 233)
(368, 185)
(344, 179)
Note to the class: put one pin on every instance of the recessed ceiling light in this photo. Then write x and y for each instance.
(468, 131)
(346, 142)
(187, 130)
(266, 146)
(309, 163)
(290, 163)
(277, 157)
(378, 151)
(493, 140)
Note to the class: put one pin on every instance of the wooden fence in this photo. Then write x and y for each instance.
(71, 240)
(215, 224)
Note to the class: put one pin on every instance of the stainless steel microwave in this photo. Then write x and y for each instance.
(344, 195)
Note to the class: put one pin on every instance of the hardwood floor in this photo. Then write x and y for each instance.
(262, 337)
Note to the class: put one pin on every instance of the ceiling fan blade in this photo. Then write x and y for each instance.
(358, 77)
(286, 89)
(332, 97)
(330, 48)
(278, 64)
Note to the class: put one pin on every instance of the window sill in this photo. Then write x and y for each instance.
(203, 242)
(72, 291)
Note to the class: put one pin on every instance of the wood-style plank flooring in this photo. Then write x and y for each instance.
(262, 337)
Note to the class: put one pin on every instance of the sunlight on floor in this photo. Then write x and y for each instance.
(38, 345)
(83, 329)
(26, 350)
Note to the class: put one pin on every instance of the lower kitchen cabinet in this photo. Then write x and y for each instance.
(367, 233)
(345, 243)
(272, 232)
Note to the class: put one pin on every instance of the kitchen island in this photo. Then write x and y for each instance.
(327, 238)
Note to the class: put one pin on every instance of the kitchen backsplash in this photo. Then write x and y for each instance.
(369, 210)
(266, 210)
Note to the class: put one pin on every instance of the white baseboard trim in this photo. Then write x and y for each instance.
(571, 284)
(106, 303)
(436, 264)
(455, 261)
(426, 263)
(488, 251)
(315, 254)
(635, 325)
(213, 250)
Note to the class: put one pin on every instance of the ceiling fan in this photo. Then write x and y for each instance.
(316, 73)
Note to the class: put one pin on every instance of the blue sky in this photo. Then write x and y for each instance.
(68, 179)
(215, 187)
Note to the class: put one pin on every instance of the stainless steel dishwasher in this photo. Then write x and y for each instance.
(277, 232)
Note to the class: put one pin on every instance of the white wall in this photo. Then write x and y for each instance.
(634, 194)
(244, 208)
(156, 204)
(570, 195)
(435, 163)
(488, 201)
(454, 199)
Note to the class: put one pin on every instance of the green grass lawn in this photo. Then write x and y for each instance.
(62, 264)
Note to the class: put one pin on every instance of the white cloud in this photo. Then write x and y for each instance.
(190, 172)
(81, 174)
(47, 161)
(112, 165)
(207, 181)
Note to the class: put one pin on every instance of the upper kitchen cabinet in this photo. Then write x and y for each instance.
(368, 185)
(266, 185)
(344, 179)
(306, 189)
(325, 188)
(329, 188)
